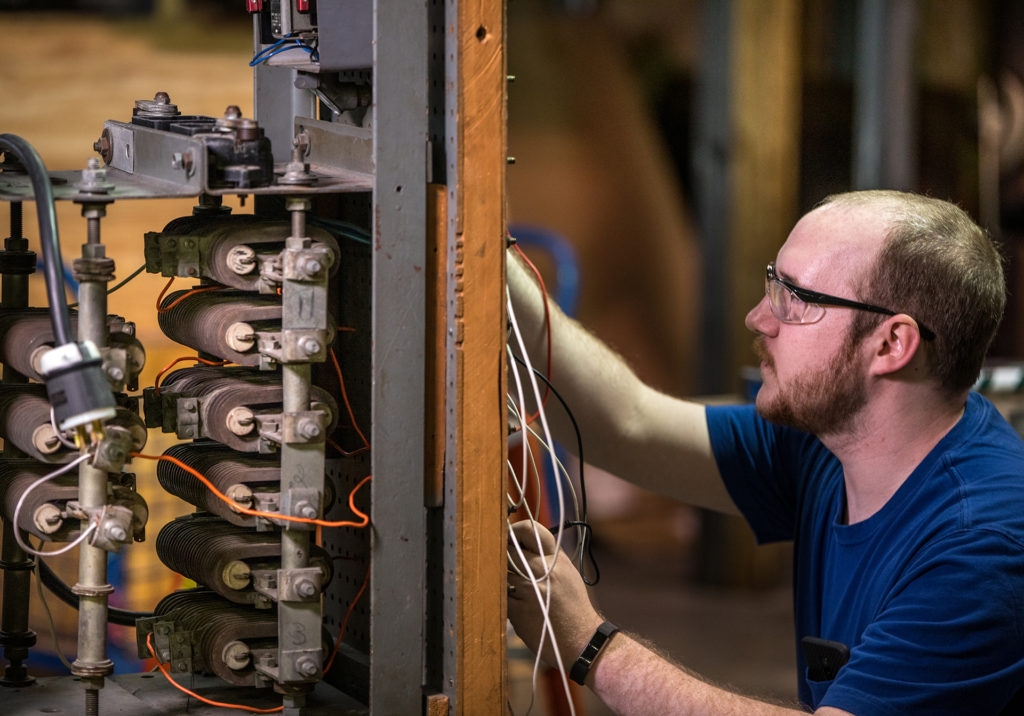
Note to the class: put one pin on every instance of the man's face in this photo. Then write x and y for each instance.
(814, 375)
(823, 400)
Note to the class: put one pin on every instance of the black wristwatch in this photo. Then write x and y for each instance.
(590, 652)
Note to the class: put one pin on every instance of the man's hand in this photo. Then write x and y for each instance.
(573, 618)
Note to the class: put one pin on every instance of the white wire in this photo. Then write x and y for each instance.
(21, 501)
(527, 450)
(543, 600)
(53, 423)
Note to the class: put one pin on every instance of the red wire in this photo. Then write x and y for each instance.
(348, 407)
(179, 299)
(175, 684)
(156, 381)
(344, 622)
(547, 325)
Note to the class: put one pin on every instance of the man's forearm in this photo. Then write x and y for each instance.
(632, 679)
(651, 439)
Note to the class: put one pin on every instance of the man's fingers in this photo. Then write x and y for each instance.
(528, 533)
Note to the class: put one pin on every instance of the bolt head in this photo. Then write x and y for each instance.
(311, 346)
(305, 510)
(307, 666)
(309, 430)
(305, 588)
(117, 533)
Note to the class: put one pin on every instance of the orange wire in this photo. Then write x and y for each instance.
(344, 452)
(179, 299)
(175, 684)
(547, 324)
(348, 406)
(269, 515)
(156, 381)
(344, 622)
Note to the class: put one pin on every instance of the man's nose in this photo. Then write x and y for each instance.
(761, 320)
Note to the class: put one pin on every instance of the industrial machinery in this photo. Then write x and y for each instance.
(331, 343)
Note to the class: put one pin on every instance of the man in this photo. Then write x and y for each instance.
(901, 490)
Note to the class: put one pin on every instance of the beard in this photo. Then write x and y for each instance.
(824, 401)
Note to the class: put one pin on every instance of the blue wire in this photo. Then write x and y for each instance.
(278, 47)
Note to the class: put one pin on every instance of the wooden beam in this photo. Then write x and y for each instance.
(478, 227)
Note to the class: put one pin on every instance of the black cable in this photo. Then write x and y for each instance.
(62, 591)
(46, 211)
(586, 531)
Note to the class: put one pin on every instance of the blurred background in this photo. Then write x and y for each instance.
(662, 151)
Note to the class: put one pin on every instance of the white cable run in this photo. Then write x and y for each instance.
(543, 599)
(21, 501)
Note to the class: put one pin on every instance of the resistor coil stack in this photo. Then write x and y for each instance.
(259, 427)
(253, 422)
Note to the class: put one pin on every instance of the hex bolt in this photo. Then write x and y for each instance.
(307, 666)
(115, 373)
(312, 266)
(306, 589)
(233, 111)
(306, 510)
(309, 429)
(310, 346)
(117, 533)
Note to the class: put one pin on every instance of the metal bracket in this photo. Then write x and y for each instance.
(296, 345)
(299, 585)
(187, 417)
(305, 427)
(299, 665)
(113, 450)
(301, 502)
(307, 264)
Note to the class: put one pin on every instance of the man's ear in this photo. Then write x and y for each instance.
(897, 341)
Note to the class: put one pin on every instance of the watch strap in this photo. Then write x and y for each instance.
(590, 652)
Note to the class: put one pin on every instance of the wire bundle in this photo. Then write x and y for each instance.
(519, 501)
(288, 42)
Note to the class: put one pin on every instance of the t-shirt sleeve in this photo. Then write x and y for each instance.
(949, 640)
(761, 466)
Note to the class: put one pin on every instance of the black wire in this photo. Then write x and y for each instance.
(62, 591)
(110, 290)
(45, 208)
(586, 531)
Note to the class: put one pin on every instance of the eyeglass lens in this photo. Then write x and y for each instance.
(786, 306)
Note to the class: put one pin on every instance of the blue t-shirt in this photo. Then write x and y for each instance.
(927, 593)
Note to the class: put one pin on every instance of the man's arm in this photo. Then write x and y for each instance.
(629, 429)
(628, 676)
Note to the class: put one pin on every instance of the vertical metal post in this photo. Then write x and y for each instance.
(398, 551)
(93, 271)
(299, 616)
(15, 635)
